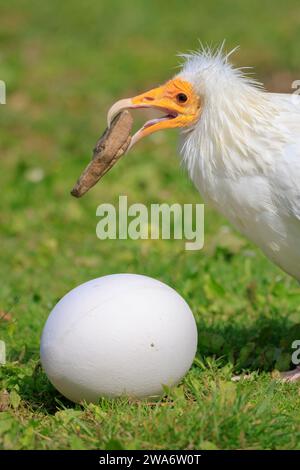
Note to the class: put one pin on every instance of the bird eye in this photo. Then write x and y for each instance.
(181, 98)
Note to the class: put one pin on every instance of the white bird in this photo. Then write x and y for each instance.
(241, 146)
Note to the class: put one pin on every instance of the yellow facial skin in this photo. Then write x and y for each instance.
(176, 99)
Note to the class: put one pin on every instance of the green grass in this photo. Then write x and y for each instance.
(64, 64)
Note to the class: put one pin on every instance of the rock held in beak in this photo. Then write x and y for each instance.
(108, 150)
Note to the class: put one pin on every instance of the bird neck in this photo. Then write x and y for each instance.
(236, 133)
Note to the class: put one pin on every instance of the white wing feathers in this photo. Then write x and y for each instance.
(287, 167)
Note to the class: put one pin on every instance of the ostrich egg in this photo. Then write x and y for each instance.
(118, 335)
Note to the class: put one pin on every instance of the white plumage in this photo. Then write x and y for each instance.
(243, 155)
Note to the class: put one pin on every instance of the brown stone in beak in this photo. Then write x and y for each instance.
(109, 148)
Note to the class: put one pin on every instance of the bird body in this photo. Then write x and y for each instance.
(243, 156)
(241, 147)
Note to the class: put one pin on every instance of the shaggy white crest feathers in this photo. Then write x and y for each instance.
(236, 113)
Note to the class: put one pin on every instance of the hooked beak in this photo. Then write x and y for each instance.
(167, 98)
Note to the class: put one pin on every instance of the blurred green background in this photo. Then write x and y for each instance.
(64, 64)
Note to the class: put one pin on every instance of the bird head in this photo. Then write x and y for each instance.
(177, 99)
(217, 106)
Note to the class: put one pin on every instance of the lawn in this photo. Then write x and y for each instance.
(64, 64)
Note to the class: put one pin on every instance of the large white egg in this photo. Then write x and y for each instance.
(123, 334)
